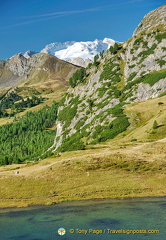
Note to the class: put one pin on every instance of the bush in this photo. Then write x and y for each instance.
(132, 66)
(72, 143)
(161, 36)
(132, 75)
(148, 52)
(114, 49)
(119, 125)
(138, 41)
(155, 125)
(161, 62)
(96, 63)
(133, 140)
(160, 103)
(80, 123)
(108, 72)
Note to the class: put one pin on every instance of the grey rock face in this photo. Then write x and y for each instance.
(152, 19)
(20, 69)
(80, 61)
(145, 91)
(143, 54)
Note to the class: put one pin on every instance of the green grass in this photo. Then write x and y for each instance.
(150, 78)
(80, 175)
(118, 168)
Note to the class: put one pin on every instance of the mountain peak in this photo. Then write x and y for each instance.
(29, 53)
(152, 20)
(84, 51)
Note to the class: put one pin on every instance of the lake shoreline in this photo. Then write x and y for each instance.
(80, 201)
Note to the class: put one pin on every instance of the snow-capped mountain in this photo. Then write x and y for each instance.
(79, 53)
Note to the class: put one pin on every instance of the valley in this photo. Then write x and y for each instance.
(118, 168)
(71, 133)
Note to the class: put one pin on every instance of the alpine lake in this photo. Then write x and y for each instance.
(105, 219)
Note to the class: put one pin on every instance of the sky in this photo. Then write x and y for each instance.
(32, 24)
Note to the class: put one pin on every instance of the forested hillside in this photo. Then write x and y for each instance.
(29, 137)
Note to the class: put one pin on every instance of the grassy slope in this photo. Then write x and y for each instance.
(143, 115)
(118, 168)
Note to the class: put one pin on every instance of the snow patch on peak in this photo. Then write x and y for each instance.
(109, 41)
(70, 51)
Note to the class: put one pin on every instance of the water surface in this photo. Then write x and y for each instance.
(99, 219)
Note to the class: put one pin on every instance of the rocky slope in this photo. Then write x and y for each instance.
(93, 109)
(32, 69)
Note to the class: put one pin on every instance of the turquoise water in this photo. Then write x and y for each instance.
(99, 219)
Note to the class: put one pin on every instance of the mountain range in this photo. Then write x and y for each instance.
(93, 108)
(78, 53)
(111, 114)
(39, 70)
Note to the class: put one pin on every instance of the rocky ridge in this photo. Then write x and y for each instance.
(34, 69)
(92, 110)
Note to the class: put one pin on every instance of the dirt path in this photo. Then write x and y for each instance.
(45, 164)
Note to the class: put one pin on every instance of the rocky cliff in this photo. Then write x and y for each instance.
(93, 109)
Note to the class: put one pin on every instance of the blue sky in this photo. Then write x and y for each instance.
(32, 24)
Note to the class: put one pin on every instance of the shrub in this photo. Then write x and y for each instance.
(114, 49)
(132, 75)
(108, 72)
(119, 125)
(80, 123)
(160, 103)
(161, 62)
(148, 52)
(161, 36)
(72, 143)
(117, 93)
(91, 103)
(132, 66)
(145, 44)
(138, 41)
(155, 125)
(96, 63)
(164, 48)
